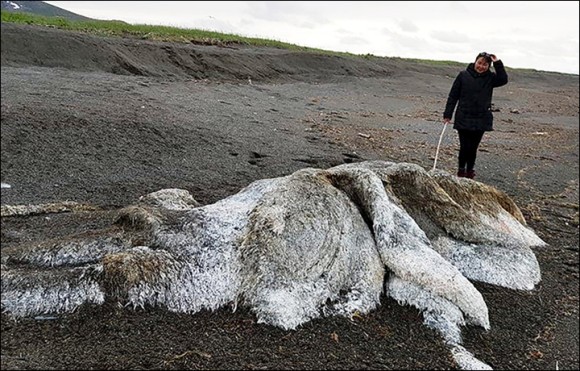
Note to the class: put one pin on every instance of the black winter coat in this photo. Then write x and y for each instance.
(474, 90)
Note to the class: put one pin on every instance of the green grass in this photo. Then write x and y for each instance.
(147, 32)
(175, 34)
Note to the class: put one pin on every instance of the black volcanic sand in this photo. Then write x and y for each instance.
(102, 121)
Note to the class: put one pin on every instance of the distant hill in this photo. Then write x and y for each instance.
(40, 8)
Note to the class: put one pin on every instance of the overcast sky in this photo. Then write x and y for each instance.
(533, 34)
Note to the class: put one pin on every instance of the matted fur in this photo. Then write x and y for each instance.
(316, 242)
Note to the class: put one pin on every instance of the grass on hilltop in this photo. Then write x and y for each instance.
(146, 32)
(176, 34)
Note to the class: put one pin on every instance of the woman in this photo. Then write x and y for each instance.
(473, 89)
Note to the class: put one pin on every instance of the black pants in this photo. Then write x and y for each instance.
(468, 143)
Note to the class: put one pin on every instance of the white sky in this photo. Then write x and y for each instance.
(533, 34)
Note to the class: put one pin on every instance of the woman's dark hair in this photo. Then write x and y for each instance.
(486, 55)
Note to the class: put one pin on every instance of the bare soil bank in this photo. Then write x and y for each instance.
(103, 121)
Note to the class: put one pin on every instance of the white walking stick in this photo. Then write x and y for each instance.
(438, 145)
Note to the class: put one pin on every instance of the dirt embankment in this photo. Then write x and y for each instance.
(50, 47)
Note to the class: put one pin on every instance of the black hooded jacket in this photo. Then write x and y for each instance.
(473, 91)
